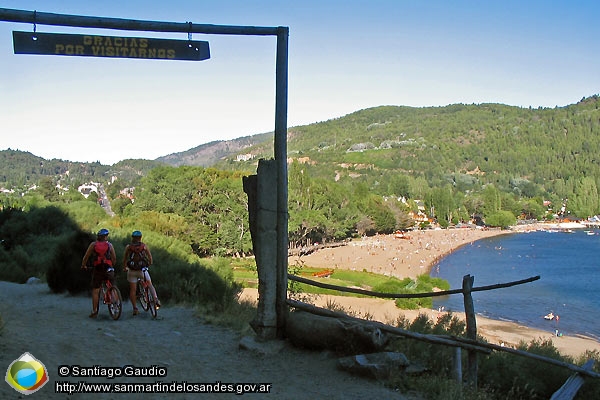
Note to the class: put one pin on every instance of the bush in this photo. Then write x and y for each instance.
(31, 241)
(9, 269)
(438, 358)
(525, 378)
(64, 270)
(181, 282)
(500, 375)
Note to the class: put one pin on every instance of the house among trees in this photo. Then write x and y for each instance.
(87, 189)
(127, 193)
(244, 157)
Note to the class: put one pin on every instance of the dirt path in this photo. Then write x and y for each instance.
(56, 330)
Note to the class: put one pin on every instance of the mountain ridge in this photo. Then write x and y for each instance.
(526, 150)
(208, 154)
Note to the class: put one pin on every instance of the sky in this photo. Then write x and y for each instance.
(344, 56)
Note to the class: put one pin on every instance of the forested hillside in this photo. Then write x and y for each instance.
(458, 151)
(20, 169)
(361, 174)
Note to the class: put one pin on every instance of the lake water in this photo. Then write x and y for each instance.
(569, 284)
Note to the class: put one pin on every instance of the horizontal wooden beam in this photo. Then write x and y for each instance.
(43, 18)
(435, 339)
(406, 295)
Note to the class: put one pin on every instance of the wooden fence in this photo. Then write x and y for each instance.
(470, 343)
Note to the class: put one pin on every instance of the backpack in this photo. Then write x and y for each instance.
(138, 258)
(102, 254)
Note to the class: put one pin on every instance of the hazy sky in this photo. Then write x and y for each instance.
(344, 55)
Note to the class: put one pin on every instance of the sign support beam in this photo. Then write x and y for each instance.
(82, 21)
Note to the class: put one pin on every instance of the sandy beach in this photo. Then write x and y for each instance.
(411, 256)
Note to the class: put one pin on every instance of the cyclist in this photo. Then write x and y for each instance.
(104, 258)
(137, 256)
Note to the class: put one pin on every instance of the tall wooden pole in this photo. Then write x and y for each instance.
(281, 96)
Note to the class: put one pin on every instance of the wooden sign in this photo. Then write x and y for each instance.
(60, 44)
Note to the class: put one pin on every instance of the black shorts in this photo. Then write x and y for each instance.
(101, 274)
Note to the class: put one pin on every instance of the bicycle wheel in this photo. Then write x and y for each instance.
(142, 296)
(152, 303)
(115, 305)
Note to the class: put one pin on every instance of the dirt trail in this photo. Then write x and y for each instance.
(56, 330)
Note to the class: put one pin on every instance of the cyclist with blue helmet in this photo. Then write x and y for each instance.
(102, 254)
(137, 257)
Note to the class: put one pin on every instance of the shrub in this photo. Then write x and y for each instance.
(500, 375)
(10, 270)
(64, 269)
(525, 378)
(181, 282)
(438, 358)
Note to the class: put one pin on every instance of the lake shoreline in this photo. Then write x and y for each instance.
(410, 255)
(415, 254)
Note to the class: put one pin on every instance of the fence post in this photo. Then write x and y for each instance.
(467, 286)
(458, 364)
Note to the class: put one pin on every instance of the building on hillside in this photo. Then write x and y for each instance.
(87, 189)
(127, 193)
(244, 157)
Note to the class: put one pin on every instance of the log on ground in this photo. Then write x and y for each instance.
(343, 336)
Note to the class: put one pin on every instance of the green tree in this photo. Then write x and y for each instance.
(491, 200)
(500, 219)
(585, 201)
(442, 200)
(119, 204)
(532, 209)
(205, 206)
(48, 189)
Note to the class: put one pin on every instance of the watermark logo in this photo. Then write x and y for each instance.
(26, 374)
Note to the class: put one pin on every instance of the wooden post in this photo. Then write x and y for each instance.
(262, 206)
(281, 95)
(467, 285)
(458, 365)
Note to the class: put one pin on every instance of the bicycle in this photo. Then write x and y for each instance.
(145, 296)
(111, 296)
